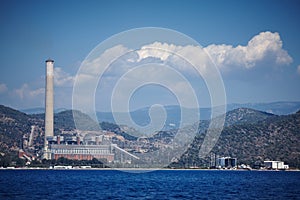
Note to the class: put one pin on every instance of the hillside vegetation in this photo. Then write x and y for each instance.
(253, 139)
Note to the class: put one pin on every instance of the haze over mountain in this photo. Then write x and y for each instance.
(40, 110)
(141, 116)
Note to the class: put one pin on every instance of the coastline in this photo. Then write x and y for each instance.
(143, 169)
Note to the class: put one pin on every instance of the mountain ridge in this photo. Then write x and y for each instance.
(141, 117)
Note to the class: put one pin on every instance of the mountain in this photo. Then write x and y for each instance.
(245, 115)
(33, 110)
(13, 125)
(236, 116)
(141, 116)
(272, 137)
(40, 110)
(277, 108)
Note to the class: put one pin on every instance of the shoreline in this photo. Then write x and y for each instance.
(143, 169)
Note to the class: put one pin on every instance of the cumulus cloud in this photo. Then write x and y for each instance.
(157, 50)
(26, 92)
(31, 94)
(182, 58)
(21, 91)
(118, 59)
(62, 79)
(96, 65)
(3, 88)
(263, 50)
(266, 46)
(26, 96)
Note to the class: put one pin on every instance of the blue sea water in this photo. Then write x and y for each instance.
(164, 184)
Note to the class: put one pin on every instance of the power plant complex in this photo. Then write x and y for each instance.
(112, 147)
(78, 145)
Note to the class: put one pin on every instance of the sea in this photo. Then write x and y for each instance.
(159, 184)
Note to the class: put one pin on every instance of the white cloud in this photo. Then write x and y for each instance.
(37, 92)
(96, 65)
(28, 96)
(61, 78)
(3, 88)
(32, 94)
(266, 46)
(157, 50)
(180, 57)
(298, 69)
(27, 93)
(21, 91)
(264, 49)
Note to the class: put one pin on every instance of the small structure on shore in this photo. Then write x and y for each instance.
(275, 165)
(226, 162)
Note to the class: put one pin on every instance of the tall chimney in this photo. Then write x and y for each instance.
(48, 105)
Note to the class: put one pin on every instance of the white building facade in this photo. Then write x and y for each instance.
(275, 165)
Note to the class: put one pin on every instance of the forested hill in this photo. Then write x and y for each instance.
(13, 125)
(252, 142)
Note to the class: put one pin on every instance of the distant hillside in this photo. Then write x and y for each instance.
(141, 116)
(40, 110)
(238, 116)
(245, 115)
(274, 138)
(277, 108)
(13, 124)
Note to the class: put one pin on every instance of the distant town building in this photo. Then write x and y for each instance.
(275, 165)
(226, 162)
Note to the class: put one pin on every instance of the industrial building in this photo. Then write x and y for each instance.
(226, 162)
(73, 147)
(275, 165)
(86, 148)
(81, 145)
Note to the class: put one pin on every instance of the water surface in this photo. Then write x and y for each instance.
(164, 184)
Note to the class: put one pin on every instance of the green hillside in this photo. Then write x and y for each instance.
(274, 138)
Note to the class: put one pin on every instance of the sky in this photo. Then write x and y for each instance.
(254, 44)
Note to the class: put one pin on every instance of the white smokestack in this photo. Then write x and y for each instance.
(48, 104)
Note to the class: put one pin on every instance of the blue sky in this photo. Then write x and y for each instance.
(66, 31)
